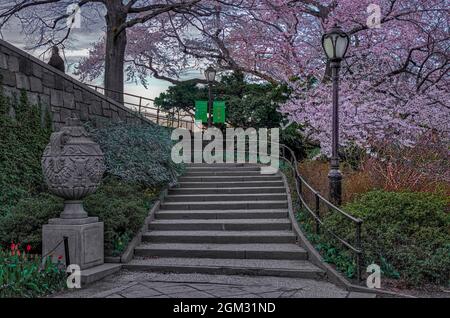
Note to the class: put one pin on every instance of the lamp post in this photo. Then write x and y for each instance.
(335, 43)
(210, 75)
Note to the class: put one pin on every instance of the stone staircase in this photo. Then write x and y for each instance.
(224, 219)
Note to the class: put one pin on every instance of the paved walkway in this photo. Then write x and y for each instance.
(128, 284)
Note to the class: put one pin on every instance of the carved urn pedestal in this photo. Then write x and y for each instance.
(73, 166)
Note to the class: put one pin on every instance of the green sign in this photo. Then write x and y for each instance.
(201, 110)
(219, 112)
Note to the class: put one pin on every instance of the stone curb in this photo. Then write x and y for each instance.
(128, 254)
(93, 274)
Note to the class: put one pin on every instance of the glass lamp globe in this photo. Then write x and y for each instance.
(210, 74)
(335, 43)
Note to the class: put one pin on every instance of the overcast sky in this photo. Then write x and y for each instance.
(81, 41)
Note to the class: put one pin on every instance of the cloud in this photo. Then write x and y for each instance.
(76, 53)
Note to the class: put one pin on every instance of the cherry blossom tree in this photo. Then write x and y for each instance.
(395, 78)
(395, 83)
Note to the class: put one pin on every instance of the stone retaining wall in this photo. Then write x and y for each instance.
(56, 91)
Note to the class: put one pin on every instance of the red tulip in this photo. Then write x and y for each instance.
(59, 257)
(28, 247)
(13, 246)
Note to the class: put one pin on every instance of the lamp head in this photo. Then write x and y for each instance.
(335, 43)
(210, 74)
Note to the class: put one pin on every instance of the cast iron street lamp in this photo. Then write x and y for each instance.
(210, 75)
(335, 44)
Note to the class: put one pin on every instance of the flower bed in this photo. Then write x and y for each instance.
(23, 274)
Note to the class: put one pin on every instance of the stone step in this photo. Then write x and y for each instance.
(243, 190)
(219, 237)
(223, 169)
(225, 197)
(220, 214)
(259, 177)
(222, 173)
(231, 184)
(220, 205)
(236, 251)
(255, 267)
(221, 225)
(221, 165)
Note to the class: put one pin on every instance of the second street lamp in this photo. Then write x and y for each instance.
(210, 75)
(335, 44)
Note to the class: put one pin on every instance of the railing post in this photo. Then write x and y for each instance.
(140, 104)
(66, 250)
(317, 210)
(300, 190)
(178, 124)
(359, 255)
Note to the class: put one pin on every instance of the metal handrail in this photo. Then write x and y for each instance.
(174, 119)
(356, 248)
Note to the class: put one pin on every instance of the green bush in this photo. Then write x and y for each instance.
(122, 207)
(328, 249)
(406, 233)
(138, 163)
(22, 142)
(293, 138)
(24, 221)
(137, 153)
(25, 275)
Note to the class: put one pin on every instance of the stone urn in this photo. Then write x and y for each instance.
(73, 166)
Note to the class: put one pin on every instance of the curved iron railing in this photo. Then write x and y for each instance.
(300, 185)
(140, 105)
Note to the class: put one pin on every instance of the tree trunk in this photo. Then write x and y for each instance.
(115, 50)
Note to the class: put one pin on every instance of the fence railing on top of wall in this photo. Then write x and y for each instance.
(140, 104)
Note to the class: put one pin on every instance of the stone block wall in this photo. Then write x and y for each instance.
(61, 94)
